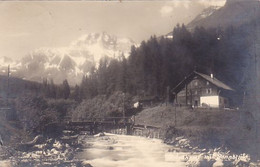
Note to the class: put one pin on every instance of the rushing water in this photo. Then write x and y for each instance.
(129, 151)
(132, 151)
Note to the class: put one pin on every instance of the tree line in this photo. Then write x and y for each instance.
(161, 62)
(51, 90)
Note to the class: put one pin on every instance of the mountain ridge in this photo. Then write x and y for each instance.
(233, 13)
(70, 62)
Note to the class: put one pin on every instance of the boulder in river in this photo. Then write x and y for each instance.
(218, 163)
(5, 163)
(39, 139)
(100, 134)
(85, 164)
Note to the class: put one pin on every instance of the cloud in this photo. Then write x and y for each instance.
(166, 11)
(168, 8)
(186, 4)
(212, 2)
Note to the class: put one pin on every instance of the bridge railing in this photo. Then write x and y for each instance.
(111, 120)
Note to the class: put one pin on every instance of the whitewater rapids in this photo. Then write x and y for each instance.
(128, 151)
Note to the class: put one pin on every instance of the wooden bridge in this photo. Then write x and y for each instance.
(100, 124)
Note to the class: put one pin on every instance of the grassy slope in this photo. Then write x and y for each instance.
(165, 115)
(234, 129)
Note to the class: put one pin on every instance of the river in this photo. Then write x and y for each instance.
(110, 150)
(127, 151)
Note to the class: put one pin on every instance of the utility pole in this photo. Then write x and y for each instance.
(257, 79)
(6, 109)
(186, 93)
(124, 107)
(8, 75)
(175, 115)
(167, 95)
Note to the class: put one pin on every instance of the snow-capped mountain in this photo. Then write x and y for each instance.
(234, 13)
(204, 14)
(71, 62)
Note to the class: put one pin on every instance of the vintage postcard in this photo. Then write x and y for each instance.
(130, 83)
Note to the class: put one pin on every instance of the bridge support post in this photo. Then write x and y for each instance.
(95, 128)
(128, 130)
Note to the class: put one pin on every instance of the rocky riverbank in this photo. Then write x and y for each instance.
(201, 157)
(82, 150)
(45, 152)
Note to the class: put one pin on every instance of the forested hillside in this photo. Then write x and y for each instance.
(14, 88)
(160, 62)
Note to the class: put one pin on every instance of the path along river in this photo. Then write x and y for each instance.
(129, 151)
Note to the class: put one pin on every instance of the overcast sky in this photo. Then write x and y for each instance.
(25, 26)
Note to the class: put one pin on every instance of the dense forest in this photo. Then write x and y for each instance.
(161, 62)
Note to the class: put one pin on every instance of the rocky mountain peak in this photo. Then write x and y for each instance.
(70, 62)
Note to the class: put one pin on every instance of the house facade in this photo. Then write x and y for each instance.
(201, 90)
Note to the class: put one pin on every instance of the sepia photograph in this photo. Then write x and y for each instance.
(130, 83)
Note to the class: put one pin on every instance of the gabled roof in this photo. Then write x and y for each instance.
(214, 81)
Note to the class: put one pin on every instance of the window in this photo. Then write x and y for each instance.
(196, 103)
(207, 82)
(195, 92)
(208, 91)
(196, 83)
(225, 101)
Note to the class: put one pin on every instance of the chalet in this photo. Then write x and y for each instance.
(201, 90)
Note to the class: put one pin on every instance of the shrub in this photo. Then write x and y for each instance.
(34, 114)
(102, 107)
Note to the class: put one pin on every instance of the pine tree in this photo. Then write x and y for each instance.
(76, 94)
(122, 75)
(65, 89)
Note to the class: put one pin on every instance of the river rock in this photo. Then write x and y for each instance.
(39, 139)
(241, 163)
(110, 148)
(5, 163)
(100, 134)
(85, 164)
(218, 163)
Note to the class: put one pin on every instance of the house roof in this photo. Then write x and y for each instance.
(214, 81)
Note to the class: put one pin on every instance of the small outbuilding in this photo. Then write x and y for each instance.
(201, 90)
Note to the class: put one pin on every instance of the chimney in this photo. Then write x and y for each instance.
(211, 76)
